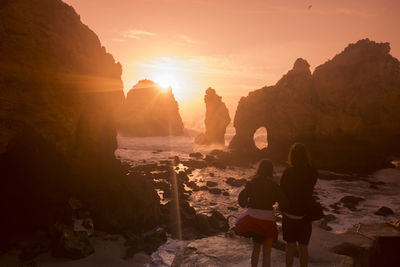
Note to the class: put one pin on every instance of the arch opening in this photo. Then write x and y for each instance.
(261, 138)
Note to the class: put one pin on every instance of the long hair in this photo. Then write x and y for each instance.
(298, 155)
(265, 169)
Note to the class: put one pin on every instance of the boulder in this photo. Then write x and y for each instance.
(381, 249)
(339, 111)
(384, 211)
(218, 221)
(211, 225)
(147, 242)
(194, 164)
(236, 182)
(150, 111)
(211, 183)
(216, 121)
(215, 191)
(70, 244)
(196, 155)
(351, 202)
(193, 185)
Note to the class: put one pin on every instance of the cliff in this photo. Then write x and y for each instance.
(345, 112)
(150, 111)
(216, 121)
(59, 90)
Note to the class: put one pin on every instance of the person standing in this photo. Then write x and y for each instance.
(297, 184)
(258, 222)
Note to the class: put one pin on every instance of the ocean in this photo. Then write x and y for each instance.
(378, 189)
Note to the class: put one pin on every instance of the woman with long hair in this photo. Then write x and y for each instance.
(297, 184)
(258, 222)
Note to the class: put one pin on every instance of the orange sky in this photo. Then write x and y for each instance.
(234, 46)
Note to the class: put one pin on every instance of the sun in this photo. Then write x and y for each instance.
(166, 81)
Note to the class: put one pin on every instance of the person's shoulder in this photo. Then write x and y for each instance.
(251, 181)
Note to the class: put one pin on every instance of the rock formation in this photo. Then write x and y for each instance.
(217, 119)
(150, 111)
(346, 112)
(59, 90)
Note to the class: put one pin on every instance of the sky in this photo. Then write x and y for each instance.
(234, 46)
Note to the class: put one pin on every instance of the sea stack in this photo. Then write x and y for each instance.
(346, 112)
(150, 111)
(216, 121)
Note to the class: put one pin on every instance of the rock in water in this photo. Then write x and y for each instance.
(217, 119)
(150, 111)
(384, 211)
(346, 112)
(236, 182)
(59, 92)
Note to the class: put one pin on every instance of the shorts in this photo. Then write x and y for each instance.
(258, 229)
(296, 230)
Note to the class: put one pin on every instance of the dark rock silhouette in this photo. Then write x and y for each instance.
(384, 211)
(59, 92)
(346, 112)
(217, 119)
(150, 111)
(71, 244)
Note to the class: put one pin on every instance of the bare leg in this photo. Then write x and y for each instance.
(255, 254)
(290, 249)
(303, 255)
(267, 244)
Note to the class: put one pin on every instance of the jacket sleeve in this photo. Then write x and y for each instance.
(283, 183)
(244, 197)
(282, 200)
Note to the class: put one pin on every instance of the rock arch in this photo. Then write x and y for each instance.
(260, 138)
(274, 108)
(345, 112)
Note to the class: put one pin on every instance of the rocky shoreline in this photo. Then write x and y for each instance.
(172, 179)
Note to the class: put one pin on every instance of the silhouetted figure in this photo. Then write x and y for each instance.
(258, 221)
(297, 184)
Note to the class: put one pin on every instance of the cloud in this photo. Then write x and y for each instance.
(117, 40)
(187, 39)
(137, 34)
(205, 65)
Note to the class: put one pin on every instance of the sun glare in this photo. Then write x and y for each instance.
(166, 81)
(184, 76)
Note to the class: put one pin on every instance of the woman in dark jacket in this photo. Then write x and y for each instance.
(297, 184)
(258, 222)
